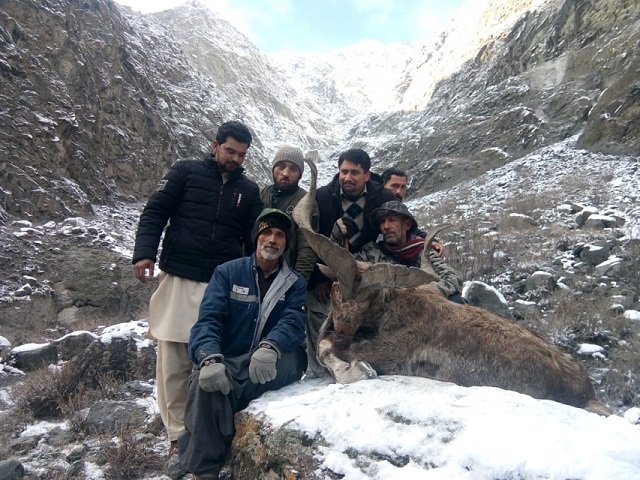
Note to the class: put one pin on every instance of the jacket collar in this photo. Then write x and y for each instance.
(210, 161)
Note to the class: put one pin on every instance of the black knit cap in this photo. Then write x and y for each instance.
(271, 218)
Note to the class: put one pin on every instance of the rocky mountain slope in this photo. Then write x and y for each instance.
(561, 68)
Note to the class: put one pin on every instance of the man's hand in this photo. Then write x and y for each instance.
(344, 228)
(213, 378)
(322, 291)
(262, 368)
(439, 249)
(140, 269)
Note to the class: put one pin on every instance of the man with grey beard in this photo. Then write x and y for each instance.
(247, 340)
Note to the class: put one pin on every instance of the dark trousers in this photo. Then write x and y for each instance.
(208, 416)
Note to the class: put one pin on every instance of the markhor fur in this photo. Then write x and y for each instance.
(388, 319)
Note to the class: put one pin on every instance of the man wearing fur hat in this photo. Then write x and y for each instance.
(285, 193)
(247, 340)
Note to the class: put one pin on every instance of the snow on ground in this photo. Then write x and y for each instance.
(560, 170)
(28, 347)
(42, 428)
(443, 431)
(136, 329)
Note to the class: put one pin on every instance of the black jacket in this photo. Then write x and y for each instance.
(329, 203)
(330, 206)
(210, 221)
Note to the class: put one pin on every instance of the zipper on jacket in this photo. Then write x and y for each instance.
(255, 341)
(215, 219)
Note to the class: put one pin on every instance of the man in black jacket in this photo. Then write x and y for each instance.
(345, 207)
(210, 208)
(395, 180)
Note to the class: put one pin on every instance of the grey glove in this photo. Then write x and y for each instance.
(213, 378)
(262, 368)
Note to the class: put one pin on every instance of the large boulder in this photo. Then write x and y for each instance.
(483, 295)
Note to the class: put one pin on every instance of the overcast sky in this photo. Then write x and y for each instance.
(320, 25)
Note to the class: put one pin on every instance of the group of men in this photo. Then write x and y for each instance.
(239, 290)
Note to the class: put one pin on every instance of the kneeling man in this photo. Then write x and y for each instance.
(247, 340)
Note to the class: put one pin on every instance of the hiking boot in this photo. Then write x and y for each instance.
(173, 448)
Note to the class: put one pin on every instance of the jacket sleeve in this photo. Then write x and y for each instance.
(254, 209)
(288, 333)
(161, 206)
(369, 253)
(306, 259)
(206, 334)
(450, 282)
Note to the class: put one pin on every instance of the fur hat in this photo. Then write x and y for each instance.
(394, 207)
(271, 218)
(289, 154)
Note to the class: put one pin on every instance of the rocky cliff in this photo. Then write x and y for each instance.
(556, 69)
(98, 101)
(96, 104)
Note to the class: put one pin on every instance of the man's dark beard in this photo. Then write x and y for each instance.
(223, 167)
(279, 192)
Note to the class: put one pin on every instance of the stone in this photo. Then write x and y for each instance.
(74, 344)
(107, 416)
(482, 295)
(613, 266)
(24, 291)
(11, 469)
(520, 220)
(59, 437)
(600, 221)
(541, 280)
(616, 308)
(584, 214)
(627, 301)
(595, 254)
(523, 309)
(632, 315)
(30, 357)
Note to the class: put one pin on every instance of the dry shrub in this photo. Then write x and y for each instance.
(127, 456)
(44, 392)
(532, 204)
(631, 266)
(9, 426)
(475, 255)
(576, 319)
(587, 319)
(59, 393)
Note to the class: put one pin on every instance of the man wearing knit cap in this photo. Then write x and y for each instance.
(285, 193)
(247, 340)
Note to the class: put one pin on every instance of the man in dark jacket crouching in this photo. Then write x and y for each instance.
(247, 340)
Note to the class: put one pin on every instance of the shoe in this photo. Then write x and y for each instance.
(173, 448)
